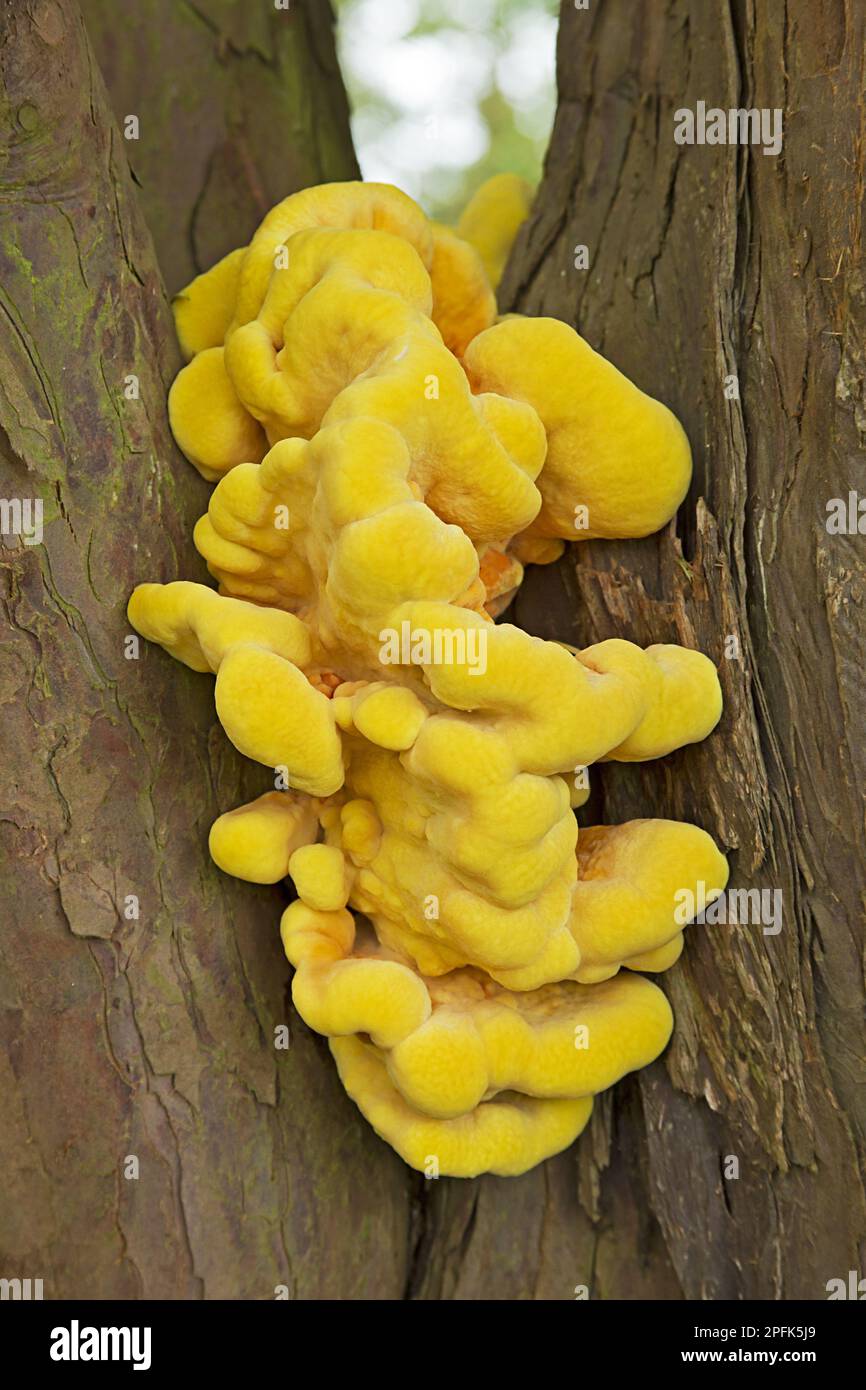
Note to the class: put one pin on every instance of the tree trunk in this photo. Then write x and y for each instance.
(237, 105)
(709, 263)
(147, 1037)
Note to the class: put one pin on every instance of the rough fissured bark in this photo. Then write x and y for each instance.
(148, 1037)
(238, 105)
(707, 263)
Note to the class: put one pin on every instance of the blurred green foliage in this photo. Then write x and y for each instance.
(445, 93)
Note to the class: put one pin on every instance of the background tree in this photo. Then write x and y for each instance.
(153, 1036)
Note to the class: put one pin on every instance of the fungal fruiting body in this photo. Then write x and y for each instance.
(388, 454)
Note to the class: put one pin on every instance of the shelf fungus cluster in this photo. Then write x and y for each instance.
(388, 454)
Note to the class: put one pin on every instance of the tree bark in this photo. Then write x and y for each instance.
(238, 105)
(709, 263)
(151, 1037)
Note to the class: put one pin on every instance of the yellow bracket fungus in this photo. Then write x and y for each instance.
(388, 455)
(492, 218)
(506, 1135)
